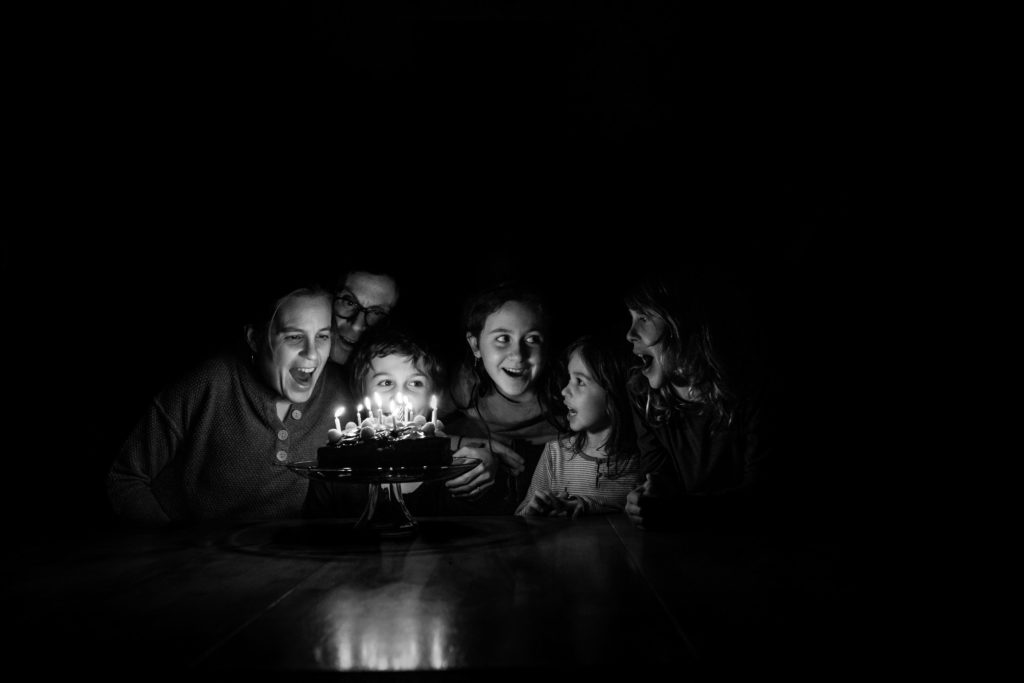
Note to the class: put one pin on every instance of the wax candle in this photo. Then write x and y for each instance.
(380, 407)
(337, 417)
(408, 408)
(369, 408)
(433, 408)
(359, 414)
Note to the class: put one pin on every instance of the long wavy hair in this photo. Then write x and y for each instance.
(689, 358)
(608, 365)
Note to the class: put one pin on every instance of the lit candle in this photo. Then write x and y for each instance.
(433, 408)
(408, 408)
(369, 409)
(359, 414)
(380, 407)
(337, 417)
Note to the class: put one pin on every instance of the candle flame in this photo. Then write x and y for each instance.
(376, 397)
(433, 401)
(339, 412)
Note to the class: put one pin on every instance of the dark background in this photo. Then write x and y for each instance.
(576, 145)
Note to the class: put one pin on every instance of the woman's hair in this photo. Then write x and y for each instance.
(263, 308)
(608, 366)
(689, 357)
(380, 342)
(475, 314)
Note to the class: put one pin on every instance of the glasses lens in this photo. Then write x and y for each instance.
(344, 306)
(375, 315)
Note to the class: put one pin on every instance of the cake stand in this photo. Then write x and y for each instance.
(385, 513)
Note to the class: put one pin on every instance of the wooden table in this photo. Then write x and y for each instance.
(503, 596)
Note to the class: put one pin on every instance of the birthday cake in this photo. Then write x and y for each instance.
(372, 444)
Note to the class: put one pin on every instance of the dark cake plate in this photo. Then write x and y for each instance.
(385, 513)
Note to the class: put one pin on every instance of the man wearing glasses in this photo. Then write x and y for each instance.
(363, 299)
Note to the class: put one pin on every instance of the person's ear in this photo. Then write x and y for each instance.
(250, 338)
(474, 344)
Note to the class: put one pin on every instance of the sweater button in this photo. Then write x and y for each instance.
(282, 456)
(283, 434)
(296, 414)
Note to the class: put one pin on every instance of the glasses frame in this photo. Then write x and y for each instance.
(379, 312)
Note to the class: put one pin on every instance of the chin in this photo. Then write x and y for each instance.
(512, 392)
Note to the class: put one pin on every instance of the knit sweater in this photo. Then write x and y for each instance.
(560, 470)
(212, 446)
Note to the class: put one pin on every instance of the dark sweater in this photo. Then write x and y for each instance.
(210, 446)
(717, 477)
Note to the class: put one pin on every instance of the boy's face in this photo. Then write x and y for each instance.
(389, 375)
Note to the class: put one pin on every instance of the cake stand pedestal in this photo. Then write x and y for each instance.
(385, 513)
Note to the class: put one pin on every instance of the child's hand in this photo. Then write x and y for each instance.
(546, 504)
(543, 504)
(646, 503)
(508, 457)
(472, 484)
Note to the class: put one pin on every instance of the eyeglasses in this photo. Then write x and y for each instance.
(348, 308)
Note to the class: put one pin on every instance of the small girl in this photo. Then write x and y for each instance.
(593, 468)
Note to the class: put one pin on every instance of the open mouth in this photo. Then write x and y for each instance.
(345, 341)
(572, 412)
(517, 373)
(303, 376)
(645, 360)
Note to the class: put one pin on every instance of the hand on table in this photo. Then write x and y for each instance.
(547, 504)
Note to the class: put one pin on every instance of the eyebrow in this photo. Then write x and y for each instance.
(502, 330)
(353, 295)
(391, 374)
(284, 330)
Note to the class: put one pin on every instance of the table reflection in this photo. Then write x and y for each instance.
(388, 628)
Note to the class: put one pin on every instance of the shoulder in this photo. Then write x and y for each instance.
(560, 447)
(211, 375)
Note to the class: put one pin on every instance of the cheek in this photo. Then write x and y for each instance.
(490, 358)
(281, 359)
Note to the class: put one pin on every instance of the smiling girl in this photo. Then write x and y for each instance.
(501, 408)
(592, 468)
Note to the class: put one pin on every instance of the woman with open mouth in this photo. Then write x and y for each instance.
(707, 458)
(213, 444)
